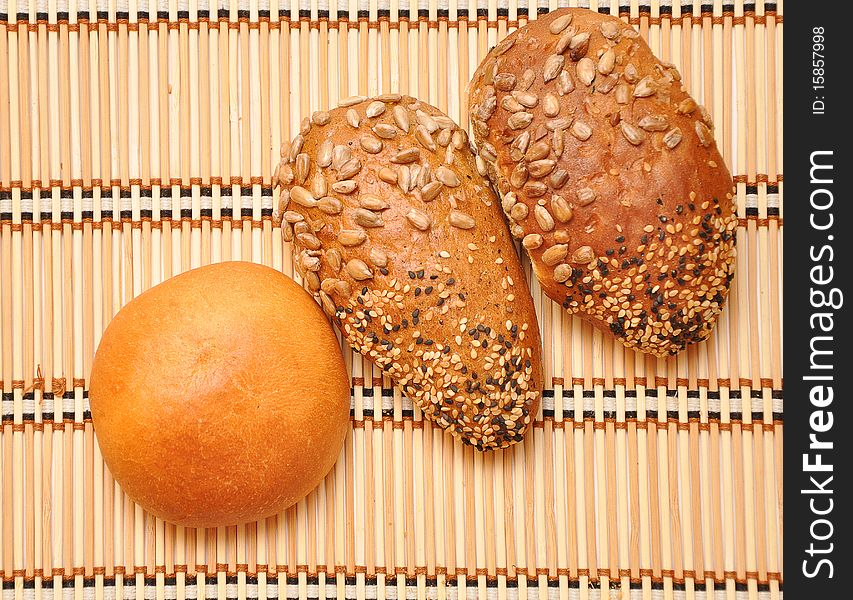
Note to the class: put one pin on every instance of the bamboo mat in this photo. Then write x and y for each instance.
(138, 139)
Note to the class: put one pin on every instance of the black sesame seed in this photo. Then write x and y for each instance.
(417, 292)
(620, 239)
(662, 218)
(411, 274)
(428, 289)
(451, 281)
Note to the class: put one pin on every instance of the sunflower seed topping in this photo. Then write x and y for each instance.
(367, 218)
(580, 130)
(540, 168)
(672, 138)
(558, 178)
(349, 169)
(585, 196)
(532, 241)
(424, 138)
(378, 257)
(292, 217)
(552, 67)
(358, 270)
(370, 144)
(345, 186)
(560, 23)
(654, 123)
(630, 73)
(388, 175)
(324, 154)
(510, 104)
(645, 87)
(505, 82)
(519, 176)
(607, 62)
(564, 83)
(401, 118)
(550, 105)
(706, 138)
(561, 209)
(632, 133)
(444, 137)
(419, 219)
(519, 212)
(586, 70)
(372, 202)
(352, 118)
(583, 255)
(374, 109)
(351, 237)
(579, 46)
(385, 131)
(321, 117)
(308, 240)
(333, 257)
(431, 190)
(538, 151)
(543, 218)
(330, 205)
(409, 155)
(350, 101)
(508, 201)
(687, 106)
(340, 155)
(562, 272)
(609, 29)
(319, 186)
(555, 254)
(519, 120)
(460, 219)
(565, 39)
(302, 197)
(447, 177)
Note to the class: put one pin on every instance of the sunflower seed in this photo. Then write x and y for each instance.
(328, 283)
(543, 218)
(672, 138)
(367, 218)
(430, 191)
(552, 67)
(296, 146)
(538, 151)
(372, 202)
(532, 241)
(427, 121)
(583, 255)
(560, 23)
(303, 165)
(313, 281)
(292, 217)
(388, 175)
(687, 106)
(607, 62)
(324, 154)
(321, 117)
(287, 232)
(352, 118)
(443, 138)
(519, 212)
(328, 305)
(351, 237)
(486, 109)
(558, 178)
(565, 39)
(390, 98)
(301, 227)
(517, 231)
(527, 79)
(609, 29)
(623, 93)
(340, 155)
(406, 156)
(508, 201)
(585, 196)
(385, 131)
(419, 219)
(401, 118)
(308, 240)
(706, 138)
(374, 109)
(370, 144)
(632, 134)
(349, 169)
(519, 120)
(510, 104)
(630, 73)
(505, 45)
(444, 122)
(519, 175)
(535, 189)
(343, 288)
(706, 117)
(586, 70)
(559, 123)
(404, 179)
(488, 152)
(358, 269)
(309, 263)
(654, 123)
(605, 84)
(555, 254)
(561, 209)
(645, 87)
(302, 197)
(447, 177)
(564, 83)
(459, 139)
(346, 186)
(378, 257)
(330, 205)
(319, 186)
(526, 99)
(505, 81)
(351, 100)
(333, 257)
(579, 45)
(540, 168)
(460, 219)
(550, 105)
(424, 138)
(519, 146)
(562, 272)
(581, 131)
(424, 176)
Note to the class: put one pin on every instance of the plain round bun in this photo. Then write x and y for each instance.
(220, 396)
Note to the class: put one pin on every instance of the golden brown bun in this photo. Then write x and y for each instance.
(610, 175)
(405, 245)
(220, 396)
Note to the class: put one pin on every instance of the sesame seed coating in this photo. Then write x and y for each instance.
(412, 259)
(614, 180)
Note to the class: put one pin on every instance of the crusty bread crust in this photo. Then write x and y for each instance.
(609, 174)
(406, 247)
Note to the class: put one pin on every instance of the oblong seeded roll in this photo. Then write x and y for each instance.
(609, 174)
(406, 247)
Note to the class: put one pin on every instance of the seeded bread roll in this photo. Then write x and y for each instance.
(609, 174)
(405, 245)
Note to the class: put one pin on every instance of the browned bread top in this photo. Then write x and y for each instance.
(406, 247)
(609, 174)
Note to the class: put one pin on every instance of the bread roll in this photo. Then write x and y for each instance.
(220, 396)
(609, 174)
(405, 246)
